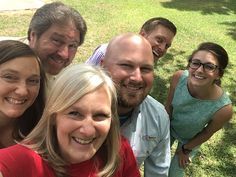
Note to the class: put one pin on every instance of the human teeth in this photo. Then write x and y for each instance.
(155, 53)
(82, 141)
(57, 60)
(133, 88)
(199, 77)
(14, 101)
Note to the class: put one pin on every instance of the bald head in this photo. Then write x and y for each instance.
(128, 43)
(130, 61)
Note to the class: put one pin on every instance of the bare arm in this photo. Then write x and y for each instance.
(219, 119)
(173, 83)
(1, 174)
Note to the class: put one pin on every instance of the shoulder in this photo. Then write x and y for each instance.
(150, 101)
(97, 55)
(22, 160)
(225, 113)
(102, 48)
(18, 157)
(151, 104)
(225, 98)
(154, 113)
(124, 143)
(15, 149)
(177, 75)
(16, 153)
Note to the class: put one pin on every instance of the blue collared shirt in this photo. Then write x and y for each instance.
(149, 136)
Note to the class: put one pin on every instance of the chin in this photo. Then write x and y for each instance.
(14, 115)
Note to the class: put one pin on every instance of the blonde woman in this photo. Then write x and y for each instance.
(78, 134)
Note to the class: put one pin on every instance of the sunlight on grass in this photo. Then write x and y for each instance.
(197, 21)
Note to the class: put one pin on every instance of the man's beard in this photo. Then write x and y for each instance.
(130, 101)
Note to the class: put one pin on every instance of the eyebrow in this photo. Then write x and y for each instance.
(17, 72)
(55, 34)
(199, 60)
(130, 61)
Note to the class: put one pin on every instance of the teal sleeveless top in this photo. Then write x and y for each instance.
(191, 115)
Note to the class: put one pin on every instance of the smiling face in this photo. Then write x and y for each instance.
(83, 127)
(56, 47)
(200, 77)
(19, 85)
(130, 63)
(160, 39)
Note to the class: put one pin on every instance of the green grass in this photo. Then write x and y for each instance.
(197, 21)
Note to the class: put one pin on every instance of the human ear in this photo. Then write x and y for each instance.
(33, 38)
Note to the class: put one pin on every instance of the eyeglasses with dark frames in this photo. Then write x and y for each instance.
(208, 67)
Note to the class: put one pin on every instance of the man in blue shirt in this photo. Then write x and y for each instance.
(144, 122)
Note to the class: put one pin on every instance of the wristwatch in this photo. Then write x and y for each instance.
(185, 151)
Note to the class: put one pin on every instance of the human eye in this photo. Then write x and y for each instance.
(126, 65)
(56, 41)
(209, 67)
(9, 77)
(33, 81)
(101, 116)
(73, 46)
(146, 69)
(74, 114)
(195, 63)
(159, 39)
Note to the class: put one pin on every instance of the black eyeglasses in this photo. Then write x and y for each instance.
(208, 67)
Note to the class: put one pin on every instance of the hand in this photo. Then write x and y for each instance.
(184, 159)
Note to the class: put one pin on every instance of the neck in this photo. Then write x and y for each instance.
(6, 139)
(209, 92)
(6, 130)
(124, 111)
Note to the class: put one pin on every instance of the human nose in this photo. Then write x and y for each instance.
(21, 89)
(201, 67)
(87, 127)
(136, 75)
(63, 51)
(163, 46)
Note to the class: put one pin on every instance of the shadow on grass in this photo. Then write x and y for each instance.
(229, 166)
(165, 68)
(231, 29)
(159, 89)
(223, 152)
(210, 7)
(224, 7)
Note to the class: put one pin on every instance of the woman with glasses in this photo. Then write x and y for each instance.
(197, 105)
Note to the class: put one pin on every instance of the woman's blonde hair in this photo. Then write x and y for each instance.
(71, 85)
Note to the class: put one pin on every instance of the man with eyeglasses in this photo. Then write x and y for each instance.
(159, 32)
(197, 105)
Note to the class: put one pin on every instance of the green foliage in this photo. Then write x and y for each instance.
(197, 21)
